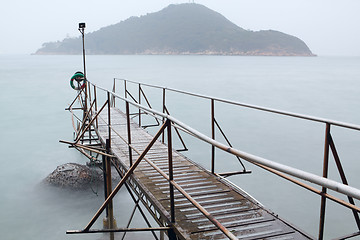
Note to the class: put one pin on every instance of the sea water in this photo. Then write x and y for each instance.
(35, 91)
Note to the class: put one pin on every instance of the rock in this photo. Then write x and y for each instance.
(75, 176)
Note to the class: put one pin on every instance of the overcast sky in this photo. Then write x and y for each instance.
(328, 27)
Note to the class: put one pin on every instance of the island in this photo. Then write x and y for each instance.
(181, 29)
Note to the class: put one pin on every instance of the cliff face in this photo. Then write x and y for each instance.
(181, 29)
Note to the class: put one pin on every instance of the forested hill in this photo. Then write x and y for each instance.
(181, 29)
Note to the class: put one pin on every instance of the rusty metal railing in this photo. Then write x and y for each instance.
(281, 170)
(214, 123)
(275, 168)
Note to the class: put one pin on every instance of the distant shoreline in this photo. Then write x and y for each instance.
(265, 54)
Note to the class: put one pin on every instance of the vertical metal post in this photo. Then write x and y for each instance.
(212, 135)
(163, 109)
(95, 98)
(162, 235)
(140, 104)
(108, 171)
(109, 118)
(89, 92)
(325, 175)
(171, 178)
(125, 89)
(110, 210)
(114, 90)
(105, 183)
(128, 131)
(90, 109)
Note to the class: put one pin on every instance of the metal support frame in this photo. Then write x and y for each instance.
(89, 124)
(123, 180)
(172, 184)
(141, 94)
(329, 142)
(213, 124)
(137, 189)
(85, 119)
(106, 163)
(105, 155)
(140, 209)
(165, 110)
(137, 206)
(168, 121)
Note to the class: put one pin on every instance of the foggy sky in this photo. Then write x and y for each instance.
(328, 27)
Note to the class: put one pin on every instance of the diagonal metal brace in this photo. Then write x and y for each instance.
(85, 118)
(91, 122)
(86, 148)
(124, 179)
(343, 177)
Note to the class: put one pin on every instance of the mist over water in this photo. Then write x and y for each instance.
(35, 91)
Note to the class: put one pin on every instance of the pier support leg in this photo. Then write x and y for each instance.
(109, 222)
(171, 234)
(162, 235)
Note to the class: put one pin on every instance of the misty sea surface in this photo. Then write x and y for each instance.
(35, 91)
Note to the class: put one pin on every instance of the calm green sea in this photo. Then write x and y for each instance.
(35, 91)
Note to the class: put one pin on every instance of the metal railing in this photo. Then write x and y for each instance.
(214, 123)
(281, 170)
(328, 143)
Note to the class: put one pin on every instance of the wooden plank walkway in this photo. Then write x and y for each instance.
(236, 210)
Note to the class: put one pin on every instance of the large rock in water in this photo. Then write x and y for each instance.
(75, 176)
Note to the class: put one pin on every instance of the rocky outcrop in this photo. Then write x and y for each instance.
(75, 176)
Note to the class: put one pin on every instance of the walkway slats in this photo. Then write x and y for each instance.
(232, 207)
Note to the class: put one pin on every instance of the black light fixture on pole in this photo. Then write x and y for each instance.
(82, 30)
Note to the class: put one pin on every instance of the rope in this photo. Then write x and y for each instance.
(72, 116)
(72, 119)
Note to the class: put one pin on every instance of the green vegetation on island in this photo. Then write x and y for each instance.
(181, 29)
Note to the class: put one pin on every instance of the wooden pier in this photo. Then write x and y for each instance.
(186, 200)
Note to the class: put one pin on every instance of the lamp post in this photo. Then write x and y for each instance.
(82, 30)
